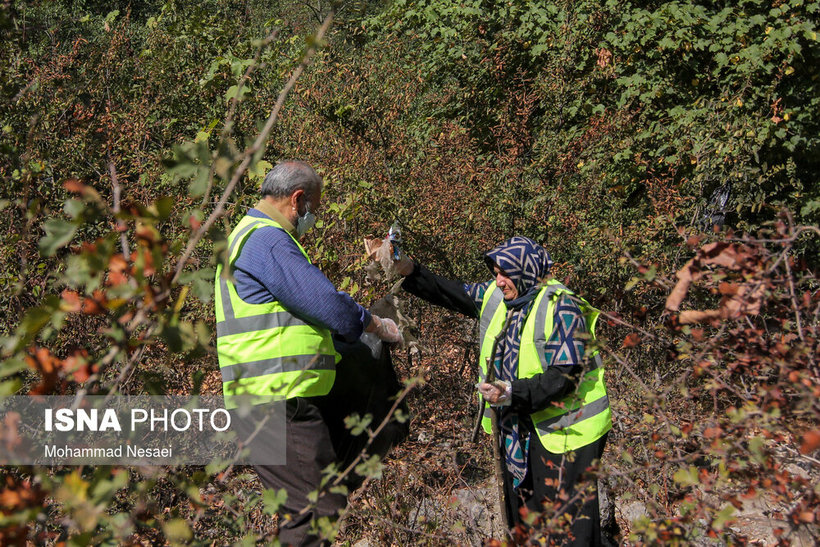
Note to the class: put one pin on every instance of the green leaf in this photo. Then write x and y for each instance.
(172, 336)
(199, 184)
(177, 530)
(162, 207)
(74, 208)
(400, 416)
(11, 366)
(10, 388)
(723, 517)
(37, 318)
(257, 171)
(340, 489)
(58, 233)
(356, 424)
(372, 468)
(105, 489)
(233, 90)
(181, 165)
(687, 476)
(273, 500)
(201, 281)
(810, 207)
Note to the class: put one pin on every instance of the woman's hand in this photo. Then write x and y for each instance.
(404, 265)
(498, 393)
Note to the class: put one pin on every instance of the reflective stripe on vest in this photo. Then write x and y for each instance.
(492, 300)
(265, 351)
(580, 418)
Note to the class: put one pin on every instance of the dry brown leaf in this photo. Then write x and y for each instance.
(70, 301)
(371, 247)
(740, 304)
(694, 240)
(811, 442)
(10, 431)
(728, 289)
(696, 316)
(118, 263)
(806, 516)
(632, 339)
(678, 293)
(78, 366)
(74, 185)
(47, 365)
(722, 254)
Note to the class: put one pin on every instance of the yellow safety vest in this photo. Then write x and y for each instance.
(265, 352)
(581, 417)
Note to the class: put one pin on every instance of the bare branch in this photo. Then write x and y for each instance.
(115, 184)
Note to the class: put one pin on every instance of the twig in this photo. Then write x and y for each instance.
(659, 280)
(25, 90)
(791, 285)
(799, 231)
(415, 530)
(112, 171)
(800, 455)
(251, 152)
(631, 372)
(623, 323)
(794, 300)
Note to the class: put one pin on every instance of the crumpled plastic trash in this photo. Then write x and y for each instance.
(380, 252)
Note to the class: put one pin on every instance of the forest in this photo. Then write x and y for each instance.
(665, 153)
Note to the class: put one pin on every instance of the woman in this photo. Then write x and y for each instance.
(549, 396)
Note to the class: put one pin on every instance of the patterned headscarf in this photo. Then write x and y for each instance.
(523, 260)
(526, 263)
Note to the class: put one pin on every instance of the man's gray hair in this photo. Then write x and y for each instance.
(291, 175)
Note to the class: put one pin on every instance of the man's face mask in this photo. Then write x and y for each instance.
(305, 222)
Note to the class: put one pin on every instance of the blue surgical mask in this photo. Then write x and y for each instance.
(305, 222)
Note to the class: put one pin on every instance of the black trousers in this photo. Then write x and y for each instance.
(309, 450)
(558, 484)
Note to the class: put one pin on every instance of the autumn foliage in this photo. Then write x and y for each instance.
(664, 153)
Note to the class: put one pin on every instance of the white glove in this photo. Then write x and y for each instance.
(386, 329)
(499, 393)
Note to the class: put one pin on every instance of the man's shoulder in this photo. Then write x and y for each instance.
(267, 231)
(265, 239)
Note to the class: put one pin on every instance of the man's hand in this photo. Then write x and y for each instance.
(499, 393)
(386, 329)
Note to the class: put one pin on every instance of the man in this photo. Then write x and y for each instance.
(277, 317)
(548, 394)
